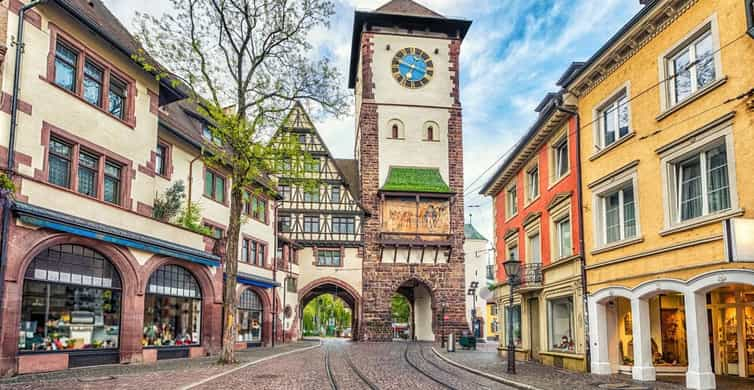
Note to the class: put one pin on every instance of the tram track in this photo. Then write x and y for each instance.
(331, 375)
(423, 371)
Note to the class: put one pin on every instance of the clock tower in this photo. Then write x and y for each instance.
(409, 145)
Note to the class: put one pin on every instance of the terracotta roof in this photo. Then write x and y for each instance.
(95, 15)
(407, 7)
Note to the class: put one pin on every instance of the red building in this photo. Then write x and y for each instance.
(537, 221)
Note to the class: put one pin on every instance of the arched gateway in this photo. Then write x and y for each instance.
(335, 287)
(394, 213)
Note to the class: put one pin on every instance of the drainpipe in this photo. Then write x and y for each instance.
(580, 195)
(191, 178)
(12, 137)
(275, 275)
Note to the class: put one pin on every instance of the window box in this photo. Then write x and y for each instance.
(77, 70)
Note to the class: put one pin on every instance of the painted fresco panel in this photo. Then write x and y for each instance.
(405, 215)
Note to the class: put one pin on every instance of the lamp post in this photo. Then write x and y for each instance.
(512, 268)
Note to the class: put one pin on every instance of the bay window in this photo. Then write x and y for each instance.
(560, 324)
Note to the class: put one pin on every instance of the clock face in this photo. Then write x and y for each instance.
(412, 68)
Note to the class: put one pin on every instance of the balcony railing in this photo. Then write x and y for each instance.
(530, 277)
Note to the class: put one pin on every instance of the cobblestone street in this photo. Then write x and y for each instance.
(340, 364)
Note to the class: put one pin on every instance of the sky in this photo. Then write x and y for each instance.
(512, 56)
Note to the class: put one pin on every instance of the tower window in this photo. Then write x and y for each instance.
(430, 133)
(395, 131)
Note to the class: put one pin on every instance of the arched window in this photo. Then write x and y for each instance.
(250, 315)
(396, 129)
(431, 131)
(172, 308)
(71, 300)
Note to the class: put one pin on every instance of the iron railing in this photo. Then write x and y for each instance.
(530, 276)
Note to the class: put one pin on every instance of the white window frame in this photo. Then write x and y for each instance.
(511, 208)
(616, 183)
(530, 195)
(721, 134)
(560, 139)
(666, 70)
(531, 231)
(609, 104)
(557, 215)
(512, 242)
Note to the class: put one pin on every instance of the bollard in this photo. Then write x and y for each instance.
(451, 342)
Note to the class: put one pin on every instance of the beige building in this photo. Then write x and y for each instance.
(91, 276)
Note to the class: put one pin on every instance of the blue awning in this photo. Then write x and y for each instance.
(50, 219)
(255, 280)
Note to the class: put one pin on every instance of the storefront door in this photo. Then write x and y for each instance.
(534, 319)
(733, 321)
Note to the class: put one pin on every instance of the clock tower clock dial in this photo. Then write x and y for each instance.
(412, 68)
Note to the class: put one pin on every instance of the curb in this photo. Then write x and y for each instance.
(495, 378)
(248, 364)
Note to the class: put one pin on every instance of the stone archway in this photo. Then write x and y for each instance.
(264, 297)
(338, 288)
(421, 298)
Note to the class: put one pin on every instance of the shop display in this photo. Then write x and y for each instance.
(71, 300)
(561, 324)
(250, 317)
(172, 308)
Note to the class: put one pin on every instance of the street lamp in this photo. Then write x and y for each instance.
(512, 268)
(472, 292)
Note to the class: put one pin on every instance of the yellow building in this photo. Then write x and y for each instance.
(493, 326)
(666, 127)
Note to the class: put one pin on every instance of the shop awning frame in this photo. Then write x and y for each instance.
(256, 280)
(54, 220)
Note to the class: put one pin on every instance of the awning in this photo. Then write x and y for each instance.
(256, 280)
(50, 219)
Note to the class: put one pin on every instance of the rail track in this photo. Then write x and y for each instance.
(331, 376)
(450, 376)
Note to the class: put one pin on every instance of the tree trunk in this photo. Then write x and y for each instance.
(230, 333)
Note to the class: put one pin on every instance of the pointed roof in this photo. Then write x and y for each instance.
(407, 7)
(471, 233)
(411, 179)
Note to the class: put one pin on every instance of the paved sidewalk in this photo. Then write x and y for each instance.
(165, 374)
(546, 377)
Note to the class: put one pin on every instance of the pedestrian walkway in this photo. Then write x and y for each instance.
(547, 377)
(164, 374)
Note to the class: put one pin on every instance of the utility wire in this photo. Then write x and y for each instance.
(583, 126)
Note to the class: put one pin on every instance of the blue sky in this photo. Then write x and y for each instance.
(512, 56)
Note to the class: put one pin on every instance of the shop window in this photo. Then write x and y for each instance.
(71, 300)
(513, 314)
(250, 315)
(343, 225)
(311, 224)
(214, 186)
(329, 257)
(172, 308)
(560, 324)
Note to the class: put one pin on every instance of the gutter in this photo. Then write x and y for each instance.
(10, 167)
(580, 196)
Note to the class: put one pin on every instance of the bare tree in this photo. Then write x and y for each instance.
(244, 64)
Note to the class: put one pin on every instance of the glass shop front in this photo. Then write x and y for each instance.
(172, 309)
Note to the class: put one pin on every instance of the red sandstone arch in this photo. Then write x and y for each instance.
(19, 258)
(305, 296)
(267, 314)
(211, 287)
